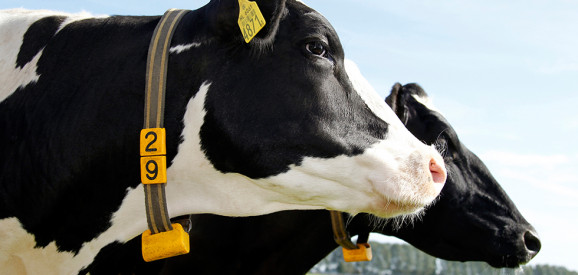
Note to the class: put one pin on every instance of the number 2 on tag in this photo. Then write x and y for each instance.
(153, 142)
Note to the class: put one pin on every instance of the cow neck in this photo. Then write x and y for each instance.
(153, 146)
(351, 252)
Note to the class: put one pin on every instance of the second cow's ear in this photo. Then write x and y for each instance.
(396, 100)
(224, 16)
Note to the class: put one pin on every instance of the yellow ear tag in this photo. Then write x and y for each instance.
(361, 254)
(251, 20)
(165, 244)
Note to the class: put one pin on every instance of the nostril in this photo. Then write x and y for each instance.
(437, 171)
(532, 242)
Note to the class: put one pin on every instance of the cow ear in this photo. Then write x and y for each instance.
(391, 99)
(224, 16)
(396, 101)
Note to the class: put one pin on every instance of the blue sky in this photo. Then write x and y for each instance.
(504, 73)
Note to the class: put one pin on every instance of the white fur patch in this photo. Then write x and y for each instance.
(181, 48)
(18, 254)
(17, 77)
(427, 102)
(370, 96)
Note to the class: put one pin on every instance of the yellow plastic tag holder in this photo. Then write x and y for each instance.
(361, 254)
(153, 161)
(165, 244)
(251, 20)
(153, 142)
(153, 170)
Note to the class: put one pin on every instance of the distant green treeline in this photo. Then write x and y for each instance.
(403, 259)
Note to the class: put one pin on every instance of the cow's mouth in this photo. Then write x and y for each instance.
(508, 261)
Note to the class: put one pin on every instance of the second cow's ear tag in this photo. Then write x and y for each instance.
(251, 20)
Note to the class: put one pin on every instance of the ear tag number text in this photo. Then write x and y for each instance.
(251, 19)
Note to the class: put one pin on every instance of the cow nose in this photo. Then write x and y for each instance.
(532, 243)
(438, 171)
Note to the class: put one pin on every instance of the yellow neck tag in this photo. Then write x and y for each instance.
(251, 20)
(361, 254)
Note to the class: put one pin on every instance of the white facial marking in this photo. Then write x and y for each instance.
(370, 96)
(406, 157)
(427, 102)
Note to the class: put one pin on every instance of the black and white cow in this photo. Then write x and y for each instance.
(253, 128)
(473, 220)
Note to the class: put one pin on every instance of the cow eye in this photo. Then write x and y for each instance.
(319, 49)
(316, 48)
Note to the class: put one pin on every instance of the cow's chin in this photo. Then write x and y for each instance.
(397, 215)
(391, 208)
(390, 202)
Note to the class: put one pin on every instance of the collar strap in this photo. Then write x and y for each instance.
(351, 252)
(163, 239)
(340, 234)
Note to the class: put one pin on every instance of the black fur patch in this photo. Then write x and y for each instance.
(36, 38)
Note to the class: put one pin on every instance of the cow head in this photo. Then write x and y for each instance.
(474, 219)
(281, 114)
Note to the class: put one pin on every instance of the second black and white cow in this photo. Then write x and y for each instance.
(252, 128)
(473, 220)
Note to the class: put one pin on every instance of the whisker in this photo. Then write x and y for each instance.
(439, 146)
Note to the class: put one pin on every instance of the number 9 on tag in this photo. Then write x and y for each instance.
(153, 170)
